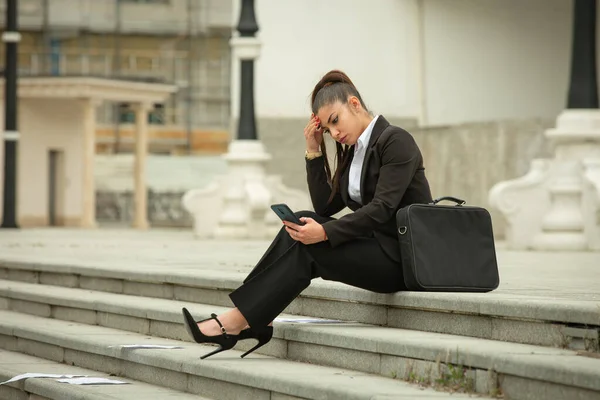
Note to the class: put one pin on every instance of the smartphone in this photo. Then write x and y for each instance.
(285, 214)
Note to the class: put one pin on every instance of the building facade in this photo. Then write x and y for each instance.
(477, 82)
(179, 42)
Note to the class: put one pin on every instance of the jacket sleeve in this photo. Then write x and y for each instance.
(400, 158)
(320, 190)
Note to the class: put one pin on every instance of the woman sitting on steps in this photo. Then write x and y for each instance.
(379, 170)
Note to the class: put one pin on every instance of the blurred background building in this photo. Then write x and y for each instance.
(181, 42)
(477, 82)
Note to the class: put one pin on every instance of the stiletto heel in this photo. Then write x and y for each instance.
(263, 335)
(220, 349)
(225, 341)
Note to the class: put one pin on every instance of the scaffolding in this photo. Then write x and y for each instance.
(194, 58)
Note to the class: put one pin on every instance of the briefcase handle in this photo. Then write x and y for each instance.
(458, 202)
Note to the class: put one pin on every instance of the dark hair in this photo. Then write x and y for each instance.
(334, 86)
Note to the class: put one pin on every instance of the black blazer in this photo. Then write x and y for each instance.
(392, 177)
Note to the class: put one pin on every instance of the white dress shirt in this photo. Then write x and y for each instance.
(357, 162)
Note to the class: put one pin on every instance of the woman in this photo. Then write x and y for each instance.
(379, 170)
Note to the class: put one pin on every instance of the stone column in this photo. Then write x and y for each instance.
(575, 138)
(140, 219)
(246, 198)
(88, 214)
(556, 205)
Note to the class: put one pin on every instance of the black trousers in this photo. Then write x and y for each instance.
(288, 267)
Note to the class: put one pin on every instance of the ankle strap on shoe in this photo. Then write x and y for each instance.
(214, 316)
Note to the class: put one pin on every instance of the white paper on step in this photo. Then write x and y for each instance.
(92, 381)
(310, 321)
(39, 375)
(146, 346)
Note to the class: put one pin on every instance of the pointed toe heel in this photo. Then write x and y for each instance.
(224, 340)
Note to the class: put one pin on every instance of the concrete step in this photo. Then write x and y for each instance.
(561, 323)
(13, 364)
(488, 366)
(224, 376)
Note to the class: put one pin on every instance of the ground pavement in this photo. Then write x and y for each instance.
(534, 337)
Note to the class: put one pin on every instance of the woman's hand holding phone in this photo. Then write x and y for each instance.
(310, 233)
(313, 133)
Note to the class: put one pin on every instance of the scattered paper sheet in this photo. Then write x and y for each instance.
(310, 321)
(92, 381)
(146, 346)
(38, 375)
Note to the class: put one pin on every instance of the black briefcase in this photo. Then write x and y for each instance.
(447, 248)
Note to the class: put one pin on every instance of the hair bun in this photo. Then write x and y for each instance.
(330, 78)
(336, 76)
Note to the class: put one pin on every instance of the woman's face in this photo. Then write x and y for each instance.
(341, 122)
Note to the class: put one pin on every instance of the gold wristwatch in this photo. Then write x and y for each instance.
(312, 155)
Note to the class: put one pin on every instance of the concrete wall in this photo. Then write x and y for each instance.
(443, 62)
(466, 160)
(48, 125)
(491, 60)
(372, 41)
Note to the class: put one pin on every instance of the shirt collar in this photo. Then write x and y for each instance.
(363, 139)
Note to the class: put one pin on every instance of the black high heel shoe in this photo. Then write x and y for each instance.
(263, 335)
(225, 341)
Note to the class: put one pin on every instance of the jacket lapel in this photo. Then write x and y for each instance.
(345, 179)
(378, 129)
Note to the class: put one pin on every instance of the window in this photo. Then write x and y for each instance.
(156, 116)
(126, 114)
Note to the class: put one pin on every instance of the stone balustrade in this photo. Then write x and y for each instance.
(556, 205)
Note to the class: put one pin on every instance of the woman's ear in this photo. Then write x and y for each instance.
(354, 103)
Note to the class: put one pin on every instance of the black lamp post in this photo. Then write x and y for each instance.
(583, 87)
(11, 136)
(247, 27)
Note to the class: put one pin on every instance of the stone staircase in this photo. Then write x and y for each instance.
(13, 364)
(517, 348)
